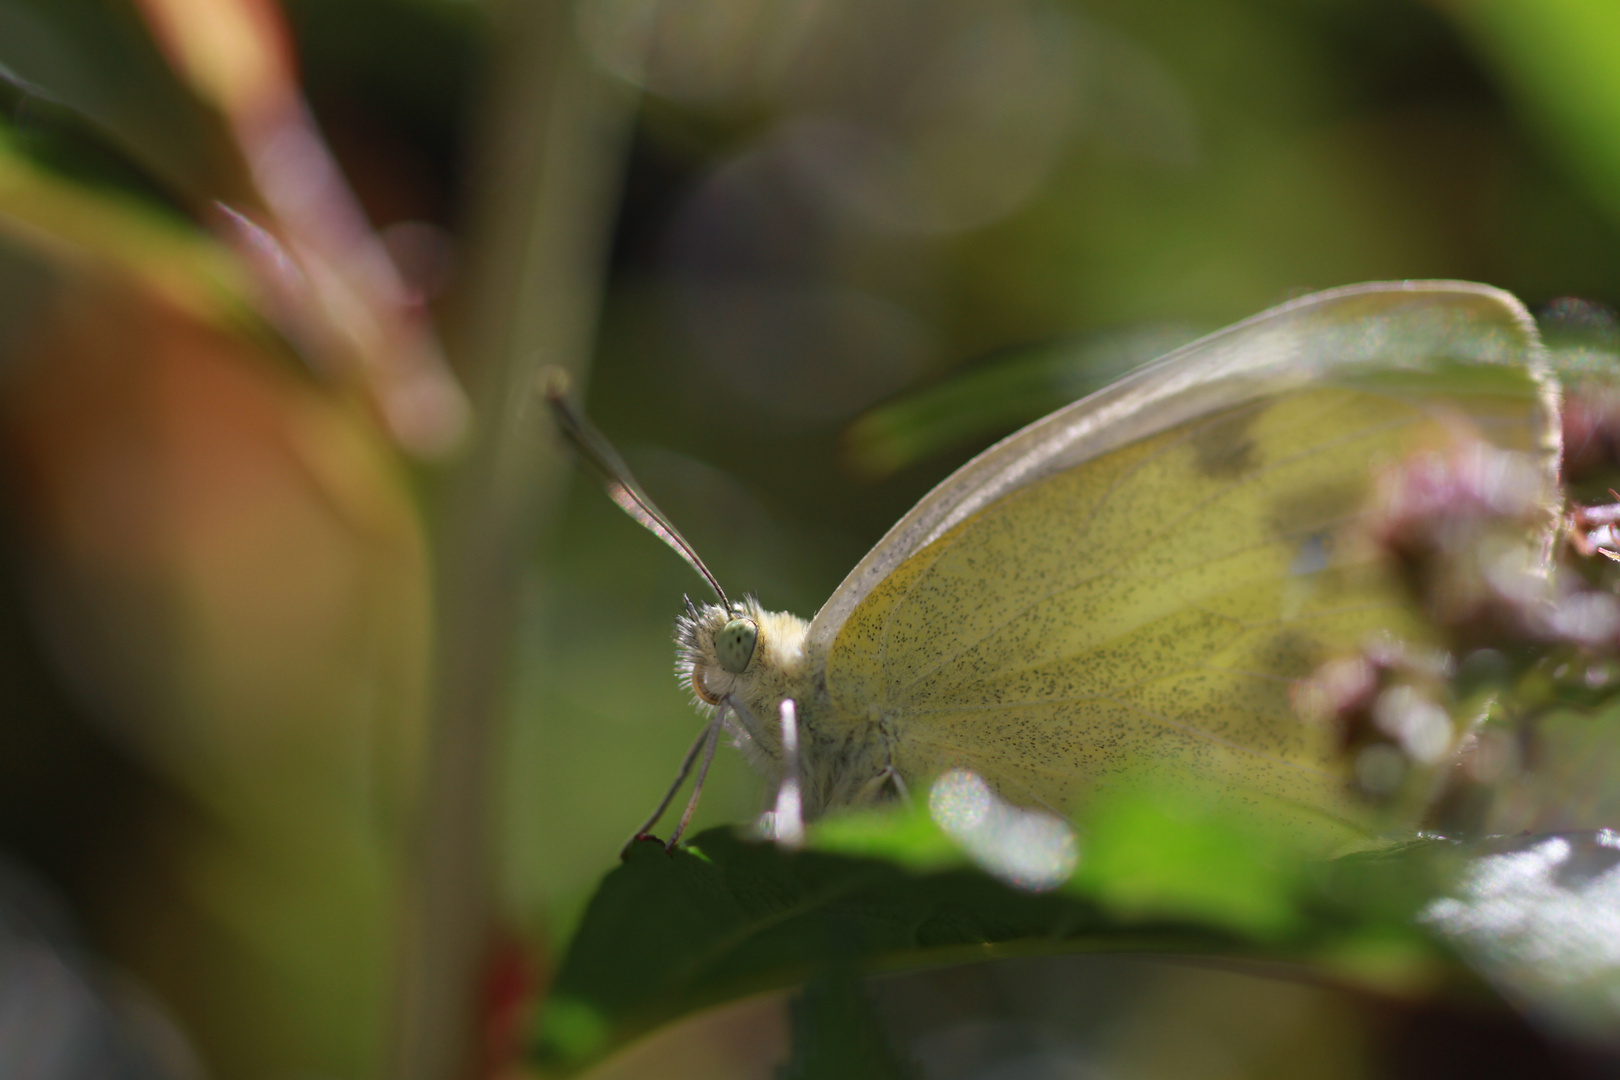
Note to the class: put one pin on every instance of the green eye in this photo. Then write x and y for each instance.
(735, 644)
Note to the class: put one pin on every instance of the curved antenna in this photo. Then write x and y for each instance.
(615, 474)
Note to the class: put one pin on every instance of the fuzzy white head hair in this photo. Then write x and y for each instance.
(750, 659)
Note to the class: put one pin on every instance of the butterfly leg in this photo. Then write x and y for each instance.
(872, 790)
(787, 819)
(744, 725)
(680, 778)
(710, 741)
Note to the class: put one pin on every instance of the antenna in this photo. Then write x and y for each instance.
(610, 468)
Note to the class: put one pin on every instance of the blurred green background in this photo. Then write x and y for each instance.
(831, 212)
(808, 257)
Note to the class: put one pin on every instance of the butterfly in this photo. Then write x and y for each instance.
(1123, 591)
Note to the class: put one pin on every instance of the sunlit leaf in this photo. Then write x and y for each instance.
(1151, 854)
(1541, 919)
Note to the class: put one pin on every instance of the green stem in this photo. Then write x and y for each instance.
(556, 141)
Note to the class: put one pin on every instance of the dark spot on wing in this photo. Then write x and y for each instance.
(1290, 654)
(1299, 512)
(1224, 447)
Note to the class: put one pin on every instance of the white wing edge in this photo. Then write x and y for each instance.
(1388, 325)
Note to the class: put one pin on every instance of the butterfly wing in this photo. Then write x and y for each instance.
(1131, 584)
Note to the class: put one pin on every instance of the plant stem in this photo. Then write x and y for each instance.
(556, 138)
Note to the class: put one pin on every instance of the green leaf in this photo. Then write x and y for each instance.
(667, 934)
(71, 195)
(911, 839)
(670, 933)
(63, 143)
(838, 1034)
(1151, 854)
(1004, 394)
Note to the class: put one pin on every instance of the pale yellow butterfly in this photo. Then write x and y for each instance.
(1128, 587)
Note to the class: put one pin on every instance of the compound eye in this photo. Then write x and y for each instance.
(735, 644)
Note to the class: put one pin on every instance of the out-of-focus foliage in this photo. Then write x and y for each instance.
(1552, 59)
(773, 319)
(217, 606)
(72, 192)
(856, 241)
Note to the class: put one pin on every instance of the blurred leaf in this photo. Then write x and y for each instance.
(911, 840)
(1541, 920)
(1559, 56)
(258, 558)
(305, 257)
(1152, 854)
(972, 406)
(1572, 783)
(99, 60)
(61, 140)
(837, 1034)
(72, 195)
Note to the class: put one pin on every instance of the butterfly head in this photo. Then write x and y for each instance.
(740, 661)
(745, 656)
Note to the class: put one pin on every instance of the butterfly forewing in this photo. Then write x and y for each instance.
(1413, 336)
(1143, 613)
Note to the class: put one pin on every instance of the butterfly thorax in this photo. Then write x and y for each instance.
(838, 761)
